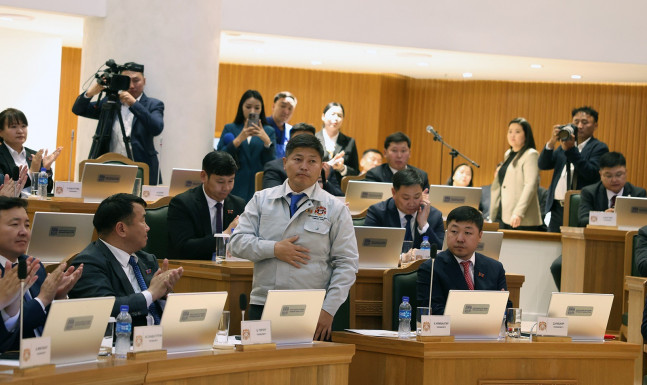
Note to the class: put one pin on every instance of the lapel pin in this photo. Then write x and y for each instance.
(481, 275)
(148, 271)
(230, 211)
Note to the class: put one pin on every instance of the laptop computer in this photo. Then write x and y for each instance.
(360, 195)
(631, 213)
(476, 314)
(183, 179)
(379, 247)
(293, 314)
(100, 180)
(490, 244)
(190, 320)
(587, 313)
(447, 198)
(76, 328)
(55, 236)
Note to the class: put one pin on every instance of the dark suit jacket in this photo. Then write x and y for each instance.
(382, 173)
(488, 275)
(103, 276)
(594, 198)
(641, 252)
(189, 223)
(7, 164)
(274, 175)
(587, 165)
(385, 214)
(346, 144)
(148, 122)
(33, 316)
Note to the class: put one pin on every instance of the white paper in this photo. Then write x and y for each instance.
(153, 193)
(435, 325)
(67, 189)
(147, 338)
(374, 332)
(602, 218)
(35, 352)
(548, 326)
(255, 332)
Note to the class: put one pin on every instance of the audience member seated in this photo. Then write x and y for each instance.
(274, 173)
(370, 158)
(282, 110)
(251, 143)
(40, 288)
(460, 267)
(116, 266)
(641, 252)
(340, 150)
(601, 196)
(462, 176)
(397, 150)
(409, 208)
(13, 132)
(197, 214)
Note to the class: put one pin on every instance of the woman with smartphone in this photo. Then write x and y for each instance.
(340, 150)
(513, 202)
(250, 140)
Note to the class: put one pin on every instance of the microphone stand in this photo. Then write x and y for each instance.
(69, 163)
(453, 152)
(22, 275)
(431, 279)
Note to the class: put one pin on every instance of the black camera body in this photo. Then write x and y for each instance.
(111, 77)
(566, 131)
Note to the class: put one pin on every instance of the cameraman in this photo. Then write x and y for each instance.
(582, 159)
(143, 118)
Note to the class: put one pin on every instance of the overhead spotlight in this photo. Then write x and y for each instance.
(576, 76)
(536, 66)
(467, 74)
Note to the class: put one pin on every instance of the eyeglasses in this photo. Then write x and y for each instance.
(617, 175)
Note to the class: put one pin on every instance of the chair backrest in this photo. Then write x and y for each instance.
(397, 283)
(156, 219)
(359, 218)
(258, 181)
(571, 208)
(114, 158)
(631, 241)
(50, 267)
(344, 181)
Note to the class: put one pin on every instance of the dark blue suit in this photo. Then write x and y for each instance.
(385, 214)
(274, 175)
(383, 173)
(488, 275)
(148, 122)
(33, 315)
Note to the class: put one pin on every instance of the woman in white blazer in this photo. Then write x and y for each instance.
(514, 203)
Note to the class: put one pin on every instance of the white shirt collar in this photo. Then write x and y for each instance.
(611, 194)
(402, 216)
(4, 260)
(15, 153)
(394, 170)
(581, 145)
(330, 142)
(472, 258)
(210, 202)
(121, 256)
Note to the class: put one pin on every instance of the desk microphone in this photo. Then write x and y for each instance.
(433, 250)
(15, 175)
(242, 302)
(22, 276)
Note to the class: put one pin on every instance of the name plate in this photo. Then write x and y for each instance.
(67, 189)
(153, 193)
(255, 332)
(601, 218)
(476, 308)
(35, 352)
(548, 326)
(147, 338)
(579, 311)
(435, 325)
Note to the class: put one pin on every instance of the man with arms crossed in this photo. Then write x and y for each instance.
(460, 267)
(299, 236)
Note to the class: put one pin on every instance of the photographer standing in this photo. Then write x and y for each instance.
(143, 118)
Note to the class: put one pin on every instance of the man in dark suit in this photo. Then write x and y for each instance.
(575, 166)
(460, 267)
(397, 150)
(409, 208)
(274, 172)
(116, 266)
(197, 214)
(40, 288)
(641, 252)
(601, 196)
(143, 119)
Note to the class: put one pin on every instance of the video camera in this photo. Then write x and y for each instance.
(111, 77)
(566, 131)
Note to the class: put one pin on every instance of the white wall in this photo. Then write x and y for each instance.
(30, 75)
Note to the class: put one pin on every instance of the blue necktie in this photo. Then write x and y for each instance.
(407, 231)
(142, 285)
(294, 202)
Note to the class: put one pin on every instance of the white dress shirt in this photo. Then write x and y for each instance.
(611, 194)
(10, 322)
(403, 222)
(123, 258)
(211, 203)
(561, 188)
(20, 159)
(117, 140)
(473, 259)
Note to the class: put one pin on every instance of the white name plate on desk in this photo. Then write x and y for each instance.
(153, 193)
(435, 325)
(547, 326)
(67, 189)
(255, 332)
(35, 352)
(147, 338)
(602, 218)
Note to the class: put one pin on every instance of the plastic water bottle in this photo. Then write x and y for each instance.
(42, 183)
(123, 329)
(425, 248)
(404, 315)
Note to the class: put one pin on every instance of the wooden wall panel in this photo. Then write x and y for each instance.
(67, 121)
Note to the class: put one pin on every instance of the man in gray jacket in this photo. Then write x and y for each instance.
(299, 236)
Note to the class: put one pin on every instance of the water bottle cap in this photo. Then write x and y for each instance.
(405, 299)
(425, 238)
(124, 308)
(43, 169)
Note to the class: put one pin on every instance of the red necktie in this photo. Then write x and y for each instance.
(466, 273)
(613, 202)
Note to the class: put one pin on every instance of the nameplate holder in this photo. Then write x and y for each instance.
(153, 193)
(602, 218)
(552, 326)
(147, 338)
(67, 190)
(147, 356)
(255, 332)
(435, 325)
(35, 352)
